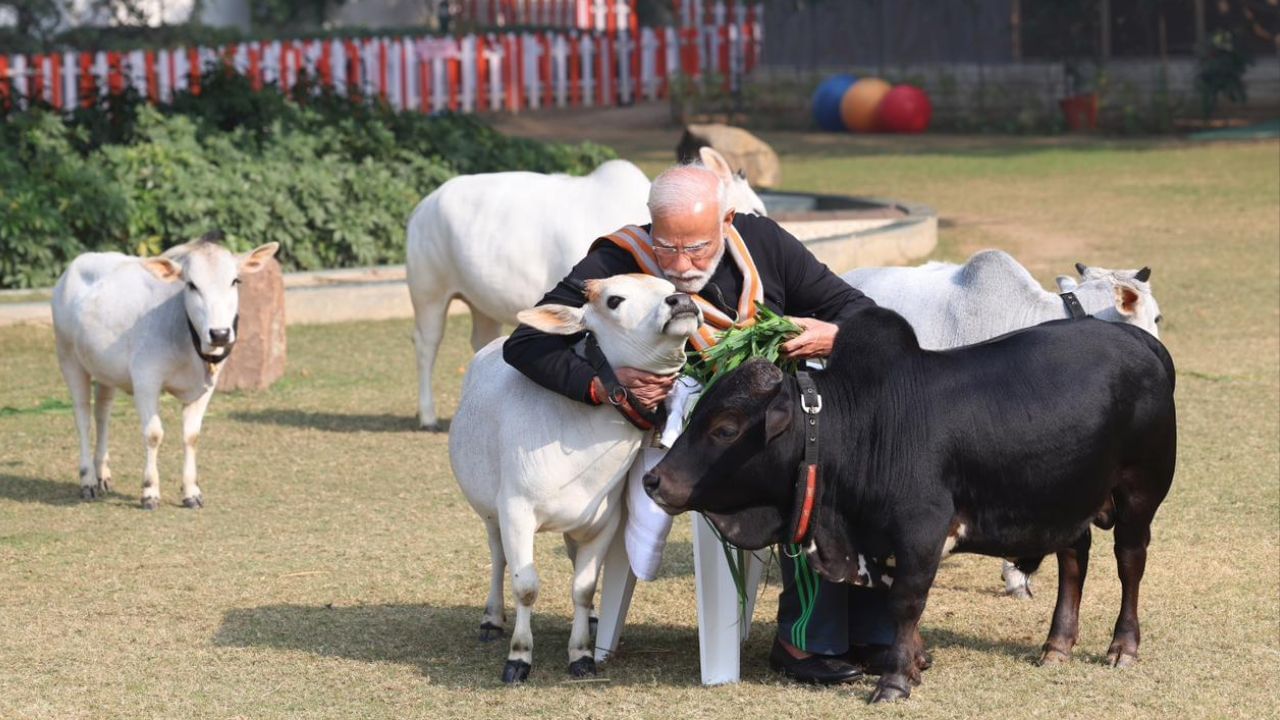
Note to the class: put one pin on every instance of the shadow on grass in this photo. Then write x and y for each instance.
(443, 643)
(56, 492)
(1022, 652)
(38, 490)
(333, 422)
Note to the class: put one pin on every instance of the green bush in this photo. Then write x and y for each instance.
(332, 181)
(51, 200)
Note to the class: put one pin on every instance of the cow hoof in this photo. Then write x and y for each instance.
(1121, 659)
(150, 503)
(433, 427)
(104, 485)
(515, 671)
(1051, 656)
(489, 632)
(195, 502)
(890, 692)
(88, 492)
(583, 667)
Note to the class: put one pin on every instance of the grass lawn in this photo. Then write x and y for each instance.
(336, 571)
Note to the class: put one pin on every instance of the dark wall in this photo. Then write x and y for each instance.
(884, 34)
(876, 33)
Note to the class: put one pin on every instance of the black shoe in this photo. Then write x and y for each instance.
(815, 669)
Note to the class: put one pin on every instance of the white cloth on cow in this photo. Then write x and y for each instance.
(647, 524)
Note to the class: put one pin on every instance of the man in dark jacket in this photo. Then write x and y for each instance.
(727, 262)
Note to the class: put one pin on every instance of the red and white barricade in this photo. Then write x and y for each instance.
(493, 71)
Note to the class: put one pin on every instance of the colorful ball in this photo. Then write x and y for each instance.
(826, 102)
(905, 109)
(860, 102)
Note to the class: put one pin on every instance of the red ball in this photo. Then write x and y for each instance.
(905, 109)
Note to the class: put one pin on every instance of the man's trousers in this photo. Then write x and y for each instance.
(823, 617)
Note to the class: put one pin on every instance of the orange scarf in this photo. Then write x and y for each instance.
(636, 241)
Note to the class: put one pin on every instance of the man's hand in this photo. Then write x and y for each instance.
(814, 341)
(646, 388)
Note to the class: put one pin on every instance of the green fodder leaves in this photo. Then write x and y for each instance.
(736, 345)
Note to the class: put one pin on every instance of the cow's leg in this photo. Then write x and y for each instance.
(1132, 537)
(495, 616)
(518, 528)
(192, 418)
(484, 329)
(429, 314)
(913, 576)
(147, 401)
(1073, 565)
(103, 395)
(80, 385)
(587, 561)
(571, 549)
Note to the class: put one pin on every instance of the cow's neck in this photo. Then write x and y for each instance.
(830, 542)
(1096, 296)
(665, 357)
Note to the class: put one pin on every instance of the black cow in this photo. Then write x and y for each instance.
(1009, 448)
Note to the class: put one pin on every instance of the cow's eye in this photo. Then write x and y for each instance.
(192, 286)
(725, 432)
(1159, 317)
(235, 282)
(614, 301)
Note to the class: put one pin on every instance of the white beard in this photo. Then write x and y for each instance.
(693, 281)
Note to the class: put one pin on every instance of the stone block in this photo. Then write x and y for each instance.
(259, 355)
(741, 149)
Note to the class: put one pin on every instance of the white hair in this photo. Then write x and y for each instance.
(683, 188)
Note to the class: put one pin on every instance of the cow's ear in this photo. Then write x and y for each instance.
(257, 258)
(1127, 299)
(163, 269)
(715, 162)
(554, 319)
(778, 415)
(1143, 275)
(1066, 284)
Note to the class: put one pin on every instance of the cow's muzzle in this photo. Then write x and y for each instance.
(653, 488)
(220, 337)
(682, 307)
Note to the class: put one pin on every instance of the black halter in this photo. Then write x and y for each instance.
(618, 394)
(808, 480)
(214, 359)
(1074, 308)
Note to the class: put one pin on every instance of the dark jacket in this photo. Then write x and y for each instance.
(795, 284)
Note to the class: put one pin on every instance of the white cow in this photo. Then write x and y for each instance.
(951, 305)
(530, 460)
(500, 241)
(145, 326)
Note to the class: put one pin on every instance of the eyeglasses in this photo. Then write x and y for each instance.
(697, 251)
